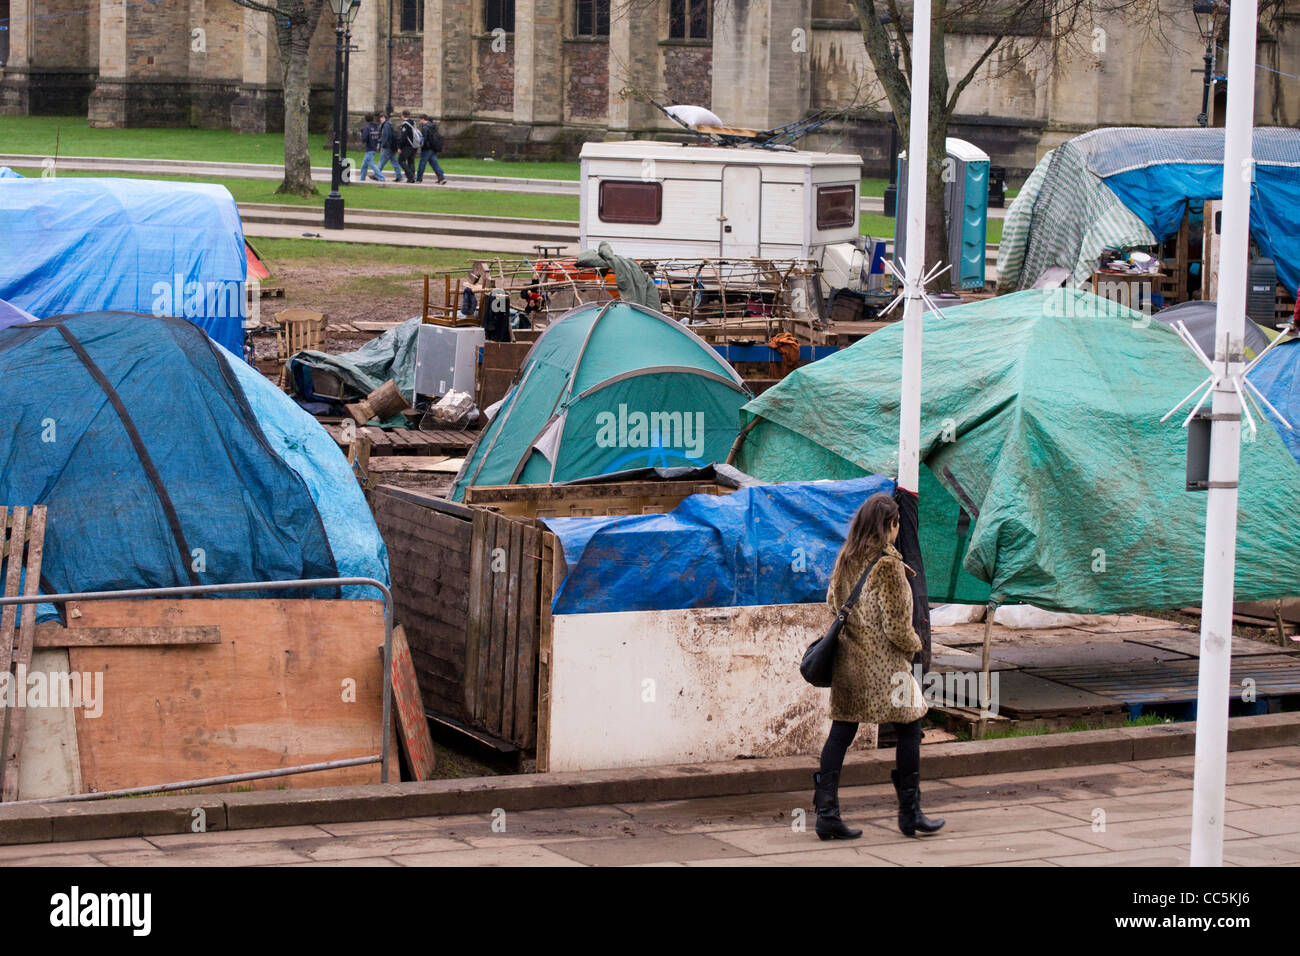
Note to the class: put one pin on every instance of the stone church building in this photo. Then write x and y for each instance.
(536, 78)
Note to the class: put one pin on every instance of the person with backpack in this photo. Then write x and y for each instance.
(430, 149)
(409, 142)
(370, 143)
(388, 147)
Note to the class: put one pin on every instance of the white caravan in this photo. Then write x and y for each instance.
(652, 200)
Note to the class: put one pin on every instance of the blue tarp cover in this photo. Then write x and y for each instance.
(766, 544)
(1156, 173)
(1278, 378)
(130, 245)
(162, 462)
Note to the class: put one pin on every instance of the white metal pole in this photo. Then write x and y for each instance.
(1225, 449)
(909, 424)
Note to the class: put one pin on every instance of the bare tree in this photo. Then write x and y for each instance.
(1015, 30)
(295, 24)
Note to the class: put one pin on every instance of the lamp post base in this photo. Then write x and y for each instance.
(334, 211)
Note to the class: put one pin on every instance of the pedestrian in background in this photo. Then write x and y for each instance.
(370, 143)
(408, 144)
(872, 679)
(429, 149)
(388, 147)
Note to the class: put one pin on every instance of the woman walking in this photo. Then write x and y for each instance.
(872, 681)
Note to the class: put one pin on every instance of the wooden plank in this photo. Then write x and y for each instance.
(16, 524)
(414, 463)
(544, 637)
(495, 646)
(30, 559)
(478, 612)
(525, 706)
(292, 682)
(408, 705)
(54, 634)
(509, 663)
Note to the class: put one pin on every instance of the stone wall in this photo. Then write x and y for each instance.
(688, 73)
(495, 68)
(408, 70)
(586, 90)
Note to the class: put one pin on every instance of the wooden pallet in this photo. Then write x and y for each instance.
(1175, 682)
(21, 551)
(406, 441)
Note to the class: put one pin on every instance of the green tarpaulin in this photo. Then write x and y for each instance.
(1041, 412)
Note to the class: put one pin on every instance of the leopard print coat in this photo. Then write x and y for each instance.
(872, 681)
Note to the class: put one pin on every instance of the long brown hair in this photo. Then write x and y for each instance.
(869, 531)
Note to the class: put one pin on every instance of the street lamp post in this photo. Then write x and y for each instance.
(1205, 12)
(891, 192)
(344, 13)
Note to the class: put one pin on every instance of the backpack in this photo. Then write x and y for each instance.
(411, 133)
(434, 142)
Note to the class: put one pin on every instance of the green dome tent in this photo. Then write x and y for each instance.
(1049, 479)
(609, 387)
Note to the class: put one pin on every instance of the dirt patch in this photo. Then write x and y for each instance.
(347, 292)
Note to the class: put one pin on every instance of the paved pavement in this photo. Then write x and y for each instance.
(1108, 814)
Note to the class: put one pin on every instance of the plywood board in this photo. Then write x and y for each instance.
(412, 726)
(292, 682)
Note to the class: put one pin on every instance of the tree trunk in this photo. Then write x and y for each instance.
(297, 89)
(937, 174)
(936, 235)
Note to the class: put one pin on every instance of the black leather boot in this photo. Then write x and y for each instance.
(826, 799)
(911, 821)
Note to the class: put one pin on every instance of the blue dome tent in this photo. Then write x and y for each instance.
(164, 460)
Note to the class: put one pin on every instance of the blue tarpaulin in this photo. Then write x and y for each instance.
(1278, 378)
(129, 245)
(765, 544)
(162, 462)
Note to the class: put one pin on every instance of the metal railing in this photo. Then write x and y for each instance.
(381, 758)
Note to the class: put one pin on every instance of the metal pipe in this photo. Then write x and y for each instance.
(207, 781)
(1214, 675)
(909, 424)
(236, 587)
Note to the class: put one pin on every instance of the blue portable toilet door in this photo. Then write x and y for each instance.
(968, 213)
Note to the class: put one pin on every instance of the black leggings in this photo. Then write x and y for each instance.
(907, 755)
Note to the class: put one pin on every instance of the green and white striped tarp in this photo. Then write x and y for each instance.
(1064, 216)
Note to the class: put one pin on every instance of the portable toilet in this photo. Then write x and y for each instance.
(965, 211)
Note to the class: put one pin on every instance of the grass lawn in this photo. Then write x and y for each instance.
(404, 198)
(307, 251)
(882, 227)
(70, 136)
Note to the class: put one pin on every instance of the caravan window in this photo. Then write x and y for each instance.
(630, 200)
(835, 206)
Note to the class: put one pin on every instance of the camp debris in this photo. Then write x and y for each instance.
(1050, 477)
(607, 388)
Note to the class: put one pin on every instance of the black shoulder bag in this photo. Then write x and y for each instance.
(819, 660)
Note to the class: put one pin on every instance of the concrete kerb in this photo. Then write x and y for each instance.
(150, 816)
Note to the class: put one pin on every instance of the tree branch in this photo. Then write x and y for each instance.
(876, 41)
(970, 74)
(261, 7)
